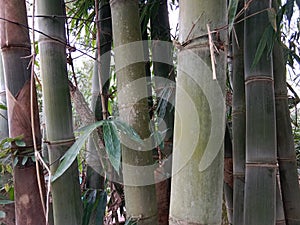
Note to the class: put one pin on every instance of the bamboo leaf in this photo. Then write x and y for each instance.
(232, 8)
(15, 162)
(94, 207)
(20, 143)
(24, 160)
(263, 44)
(5, 202)
(289, 9)
(3, 107)
(69, 157)
(2, 214)
(128, 131)
(112, 144)
(272, 18)
(100, 207)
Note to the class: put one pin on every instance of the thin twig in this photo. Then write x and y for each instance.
(212, 53)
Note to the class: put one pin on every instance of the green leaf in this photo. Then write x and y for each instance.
(20, 143)
(289, 9)
(232, 8)
(128, 131)
(69, 157)
(272, 18)
(3, 107)
(263, 44)
(112, 144)
(24, 160)
(2, 214)
(131, 221)
(5, 202)
(15, 162)
(94, 207)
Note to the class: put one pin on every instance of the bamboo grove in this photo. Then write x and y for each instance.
(192, 126)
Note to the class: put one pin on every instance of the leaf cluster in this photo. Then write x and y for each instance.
(112, 131)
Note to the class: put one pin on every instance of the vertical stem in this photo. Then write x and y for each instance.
(199, 130)
(238, 120)
(137, 161)
(261, 159)
(285, 142)
(66, 198)
(15, 51)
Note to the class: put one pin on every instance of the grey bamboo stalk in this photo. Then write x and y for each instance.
(67, 209)
(199, 130)
(3, 113)
(15, 51)
(140, 198)
(285, 142)
(238, 121)
(261, 160)
(160, 33)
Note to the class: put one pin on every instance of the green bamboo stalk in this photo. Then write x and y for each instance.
(58, 113)
(16, 51)
(285, 142)
(261, 160)
(140, 198)
(199, 130)
(238, 121)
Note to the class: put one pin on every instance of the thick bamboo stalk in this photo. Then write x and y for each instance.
(15, 50)
(238, 121)
(199, 130)
(285, 142)
(261, 160)
(58, 113)
(133, 109)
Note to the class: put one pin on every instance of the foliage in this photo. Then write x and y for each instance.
(297, 143)
(82, 23)
(112, 129)
(94, 201)
(232, 9)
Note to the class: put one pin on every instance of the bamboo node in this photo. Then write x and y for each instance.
(181, 222)
(141, 217)
(258, 78)
(262, 164)
(60, 142)
(286, 159)
(281, 97)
